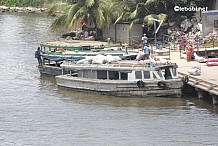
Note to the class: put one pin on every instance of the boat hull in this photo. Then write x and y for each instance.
(50, 70)
(53, 70)
(171, 88)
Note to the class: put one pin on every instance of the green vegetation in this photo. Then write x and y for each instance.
(101, 13)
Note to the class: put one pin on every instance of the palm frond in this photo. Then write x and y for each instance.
(133, 14)
(58, 23)
(134, 22)
(90, 3)
(78, 14)
(119, 18)
(148, 2)
(100, 20)
(162, 16)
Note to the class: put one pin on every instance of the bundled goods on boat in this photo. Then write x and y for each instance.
(99, 59)
(212, 62)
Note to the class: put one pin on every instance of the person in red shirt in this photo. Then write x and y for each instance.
(84, 26)
(189, 51)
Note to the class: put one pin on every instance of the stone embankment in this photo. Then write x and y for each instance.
(22, 9)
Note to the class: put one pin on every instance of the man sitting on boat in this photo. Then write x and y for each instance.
(143, 54)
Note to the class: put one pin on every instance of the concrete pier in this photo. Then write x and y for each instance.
(214, 98)
(206, 82)
(201, 93)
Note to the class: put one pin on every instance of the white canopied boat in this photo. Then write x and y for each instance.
(126, 79)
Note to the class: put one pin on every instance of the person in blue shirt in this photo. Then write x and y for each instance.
(158, 46)
(147, 52)
(38, 56)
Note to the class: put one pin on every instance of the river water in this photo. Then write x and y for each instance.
(35, 112)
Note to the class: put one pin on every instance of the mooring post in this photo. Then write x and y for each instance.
(214, 98)
(201, 93)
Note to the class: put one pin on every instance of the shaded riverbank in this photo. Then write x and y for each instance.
(22, 9)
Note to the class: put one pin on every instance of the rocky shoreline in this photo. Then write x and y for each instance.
(22, 9)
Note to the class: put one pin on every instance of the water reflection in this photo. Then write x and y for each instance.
(203, 105)
(97, 98)
(69, 95)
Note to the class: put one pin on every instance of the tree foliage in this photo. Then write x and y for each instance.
(103, 12)
(97, 13)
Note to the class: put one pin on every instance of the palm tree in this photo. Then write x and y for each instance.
(94, 12)
(138, 11)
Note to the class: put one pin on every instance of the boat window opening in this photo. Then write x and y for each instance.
(138, 74)
(174, 72)
(92, 74)
(147, 75)
(160, 73)
(113, 75)
(84, 48)
(86, 74)
(167, 74)
(124, 76)
(80, 73)
(102, 74)
(155, 75)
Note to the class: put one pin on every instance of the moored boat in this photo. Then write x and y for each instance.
(125, 78)
(56, 52)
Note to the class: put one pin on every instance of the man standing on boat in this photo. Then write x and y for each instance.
(146, 51)
(144, 40)
(38, 56)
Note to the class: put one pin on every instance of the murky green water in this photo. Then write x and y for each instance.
(35, 112)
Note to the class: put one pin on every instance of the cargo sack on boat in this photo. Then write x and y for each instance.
(140, 56)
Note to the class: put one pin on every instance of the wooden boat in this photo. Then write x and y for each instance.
(55, 52)
(125, 78)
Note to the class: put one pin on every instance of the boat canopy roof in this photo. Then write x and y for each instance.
(66, 44)
(117, 66)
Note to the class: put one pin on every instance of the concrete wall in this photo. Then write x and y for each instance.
(109, 33)
(122, 33)
(212, 4)
(136, 33)
(208, 18)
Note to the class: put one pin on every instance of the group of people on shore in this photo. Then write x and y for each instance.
(144, 52)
